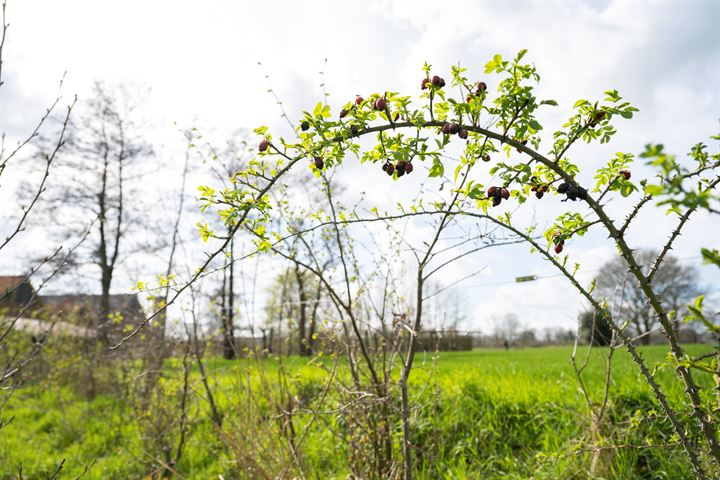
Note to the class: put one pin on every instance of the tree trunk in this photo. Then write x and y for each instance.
(103, 327)
(227, 347)
(303, 347)
(229, 343)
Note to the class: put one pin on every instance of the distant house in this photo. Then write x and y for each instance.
(84, 310)
(74, 315)
(16, 293)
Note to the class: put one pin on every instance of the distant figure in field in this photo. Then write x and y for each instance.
(506, 345)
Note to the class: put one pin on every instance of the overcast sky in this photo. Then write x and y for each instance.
(201, 62)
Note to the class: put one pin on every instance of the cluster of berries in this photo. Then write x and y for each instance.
(572, 192)
(379, 104)
(436, 81)
(481, 87)
(498, 194)
(451, 128)
(539, 190)
(401, 167)
(358, 100)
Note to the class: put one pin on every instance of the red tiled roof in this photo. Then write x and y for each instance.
(10, 281)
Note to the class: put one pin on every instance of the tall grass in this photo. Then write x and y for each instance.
(482, 414)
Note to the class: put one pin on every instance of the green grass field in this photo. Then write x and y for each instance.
(481, 414)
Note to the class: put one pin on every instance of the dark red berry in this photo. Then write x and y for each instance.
(581, 193)
(505, 193)
(496, 200)
(534, 188)
(481, 87)
(400, 170)
(385, 166)
(408, 167)
(544, 188)
(390, 168)
(491, 191)
(462, 133)
(380, 104)
(468, 98)
(446, 128)
(486, 158)
(423, 84)
(358, 100)
(539, 194)
(563, 187)
(304, 126)
(264, 144)
(438, 81)
(354, 129)
(319, 163)
(454, 128)
(626, 174)
(559, 247)
(343, 113)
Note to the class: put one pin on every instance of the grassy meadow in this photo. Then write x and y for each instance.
(480, 414)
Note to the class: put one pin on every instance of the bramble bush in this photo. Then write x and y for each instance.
(487, 124)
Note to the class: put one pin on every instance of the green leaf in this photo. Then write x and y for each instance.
(535, 125)
(653, 189)
(490, 67)
(711, 256)
(437, 169)
(317, 111)
(495, 64)
(477, 193)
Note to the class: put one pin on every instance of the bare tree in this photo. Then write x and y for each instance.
(98, 169)
(295, 298)
(676, 284)
(507, 328)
